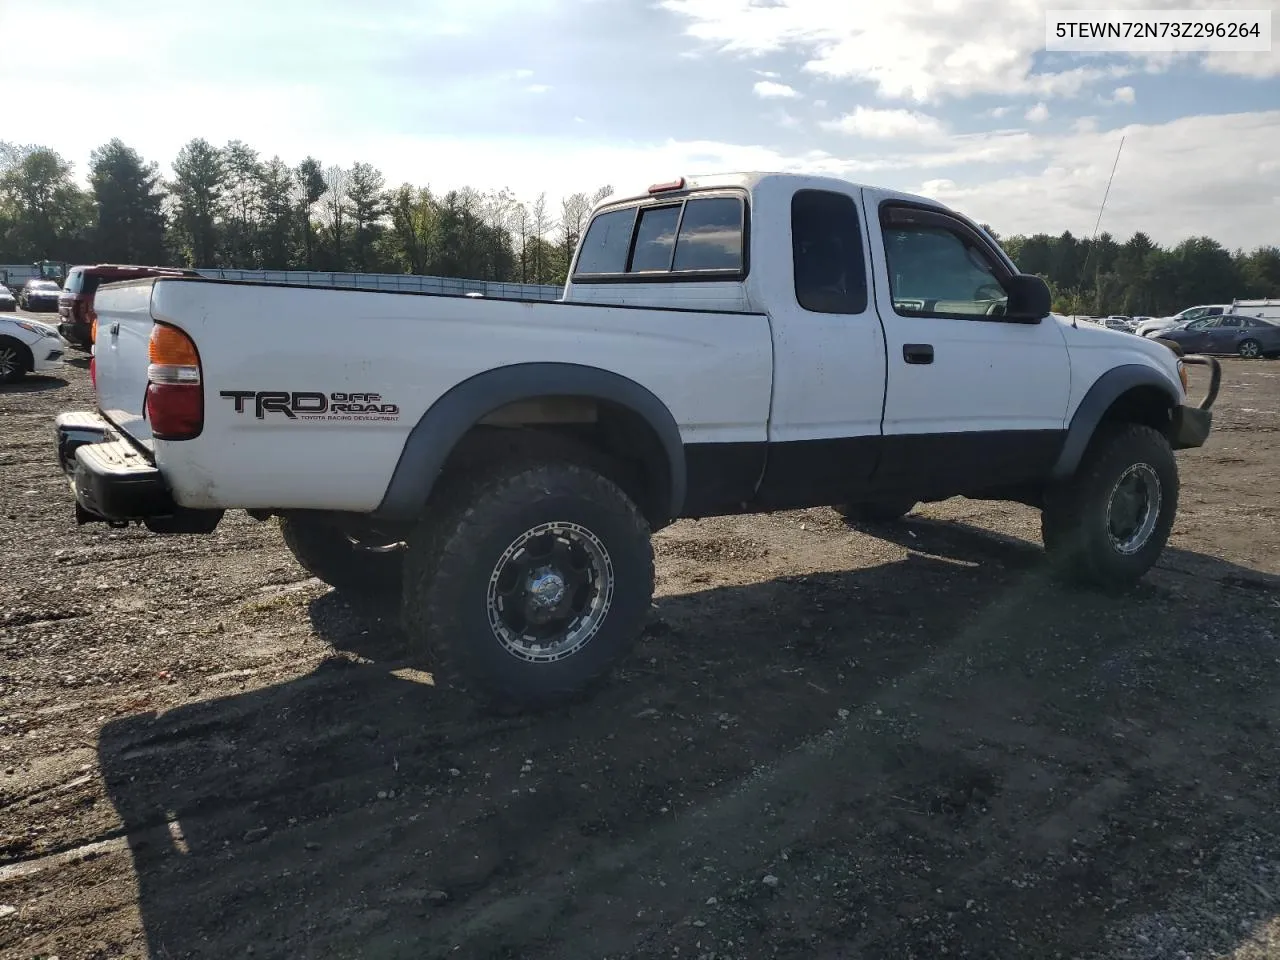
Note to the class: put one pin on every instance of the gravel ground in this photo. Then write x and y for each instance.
(898, 743)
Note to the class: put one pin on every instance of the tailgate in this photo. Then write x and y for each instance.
(121, 355)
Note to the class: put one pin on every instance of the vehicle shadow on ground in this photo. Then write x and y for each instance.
(946, 754)
(78, 361)
(34, 383)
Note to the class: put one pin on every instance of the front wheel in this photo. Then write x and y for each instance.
(1250, 349)
(13, 360)
(1108, 525)
(528, 584)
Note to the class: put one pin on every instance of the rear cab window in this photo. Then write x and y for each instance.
(692, 237)
(75, 281)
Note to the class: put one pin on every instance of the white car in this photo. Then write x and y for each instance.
(28, 346)
(1153, 326)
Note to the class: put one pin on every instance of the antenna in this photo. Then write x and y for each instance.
(1093, 241)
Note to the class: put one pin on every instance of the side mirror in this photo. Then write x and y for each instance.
(1029, 299)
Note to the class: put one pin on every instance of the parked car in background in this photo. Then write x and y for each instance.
(28, 346)
(39, 295)
(1152, 326)
(75, 302)
(1264, 309)
(1247, 337)
(1118, 322)
(8, 302)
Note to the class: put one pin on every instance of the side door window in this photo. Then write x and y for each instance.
(940, 270)
(1224, 335)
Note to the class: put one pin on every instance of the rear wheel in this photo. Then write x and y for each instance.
(1108, 525)
(528, 582)
(325, 551)
(877, 511)
(15, 360)
(1250, 349)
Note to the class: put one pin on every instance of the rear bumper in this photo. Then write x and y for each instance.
(1191, 424)
(114, 483)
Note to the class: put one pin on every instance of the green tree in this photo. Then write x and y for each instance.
(277, 228)
(198, 195)
(311, 186)
(128, 199)
(51, 216)
(412, 240)
(366, 200)
(243, 204)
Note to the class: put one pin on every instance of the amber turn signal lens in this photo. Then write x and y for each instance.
(171, 347)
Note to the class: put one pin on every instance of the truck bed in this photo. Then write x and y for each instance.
(273, 355)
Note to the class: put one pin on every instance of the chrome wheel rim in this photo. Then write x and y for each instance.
(1249, 350)
(550, 592)
(1133, 509)
(8, 361)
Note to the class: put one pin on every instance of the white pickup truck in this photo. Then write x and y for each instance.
(728, 344)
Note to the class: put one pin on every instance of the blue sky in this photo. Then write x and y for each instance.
(953, 98)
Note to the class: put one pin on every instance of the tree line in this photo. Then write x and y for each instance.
(228, 206)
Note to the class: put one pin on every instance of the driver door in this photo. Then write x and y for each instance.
(1224, 337)
(972, 400)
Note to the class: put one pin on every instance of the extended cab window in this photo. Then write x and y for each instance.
(937, 271)
(74, 281)
(826, 253)
(684, 238)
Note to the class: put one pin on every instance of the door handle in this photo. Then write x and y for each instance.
(917, 352)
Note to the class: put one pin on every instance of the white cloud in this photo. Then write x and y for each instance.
(1038, 114)
(1218, 187)
(924, 51)
(768, 74)
(998, 112)
(537, 88)
(1259, 65)
(876, 124)
(820, 104)
(770, 90)
(1123, 95)
(1085, 124)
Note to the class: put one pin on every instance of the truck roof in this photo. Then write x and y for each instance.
(757, 181)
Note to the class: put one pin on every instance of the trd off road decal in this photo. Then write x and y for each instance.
(306, 405)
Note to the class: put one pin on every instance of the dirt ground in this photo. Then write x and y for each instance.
(902, 743)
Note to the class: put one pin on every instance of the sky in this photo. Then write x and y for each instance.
(953, 99)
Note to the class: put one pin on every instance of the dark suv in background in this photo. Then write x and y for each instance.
(75, 304)
(39, 295)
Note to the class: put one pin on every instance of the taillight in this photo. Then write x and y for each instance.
(91, 315)
(175, 396)
(93, 373)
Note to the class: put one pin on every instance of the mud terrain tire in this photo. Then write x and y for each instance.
(1108, 525)
(528, 580)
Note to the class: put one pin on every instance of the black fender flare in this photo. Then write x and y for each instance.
(446, 421)
(1104, 392)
